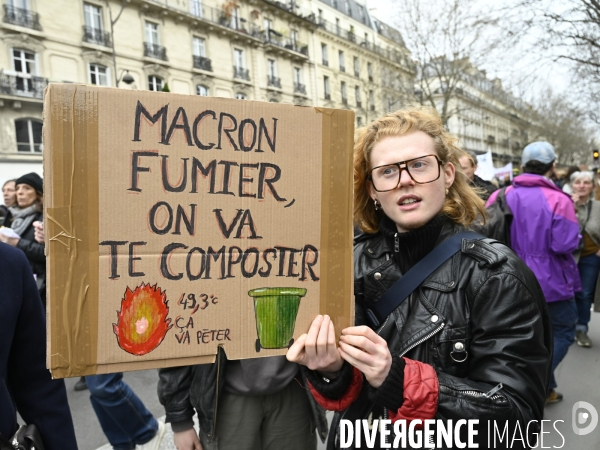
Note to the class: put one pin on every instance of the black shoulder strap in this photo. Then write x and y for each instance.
(412, 279)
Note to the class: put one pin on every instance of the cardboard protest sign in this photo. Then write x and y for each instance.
(177, 224)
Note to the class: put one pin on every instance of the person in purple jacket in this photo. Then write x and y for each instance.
(545, 233)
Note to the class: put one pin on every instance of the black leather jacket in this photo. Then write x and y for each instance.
(480, 320)
(181, 389)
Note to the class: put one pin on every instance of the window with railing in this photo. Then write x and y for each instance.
(29, 135)
(272, 78)
(155, 83)
(357, 96)
(324, 58)
(201, 90)
(299, 87)
(239, 68)
(326, 88)
(93, 30)
(18, 12)
(343, 92)
(356, 67)
(341, 61)
(152, 47)
(370, 71)
(199, 54)
(98, 75)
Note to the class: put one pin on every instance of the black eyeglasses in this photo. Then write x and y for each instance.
(422, 170)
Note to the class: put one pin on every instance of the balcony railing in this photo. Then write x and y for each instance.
(224, 18)
(241, 73)
(96, 36)
(155, 51)
(22, 86)
(290, 44)
(300, 88)
(22, 17)
(274, 81)
(202, 63)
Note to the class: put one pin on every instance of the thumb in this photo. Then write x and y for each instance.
(296, 352)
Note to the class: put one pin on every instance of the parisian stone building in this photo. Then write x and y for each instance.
(328, 53)
(487, 117)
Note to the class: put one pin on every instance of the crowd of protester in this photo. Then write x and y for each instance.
(414, 188)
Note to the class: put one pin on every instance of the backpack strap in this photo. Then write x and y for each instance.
(412, 279)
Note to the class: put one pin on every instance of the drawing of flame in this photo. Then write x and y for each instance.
(142, 321)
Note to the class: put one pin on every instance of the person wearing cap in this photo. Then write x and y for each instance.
(30, 201)
(545, 233)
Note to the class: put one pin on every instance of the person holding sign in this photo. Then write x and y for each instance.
(470, 342)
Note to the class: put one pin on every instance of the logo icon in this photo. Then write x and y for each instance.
(580, 418)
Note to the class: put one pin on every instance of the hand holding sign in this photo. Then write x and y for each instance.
(317, 350)
(368, 352)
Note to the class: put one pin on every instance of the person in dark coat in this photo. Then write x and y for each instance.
(30, 200)
(25, 383)
(468, 164)
(10, 201)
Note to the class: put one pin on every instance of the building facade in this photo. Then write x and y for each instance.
(310, 52)
(489, 118)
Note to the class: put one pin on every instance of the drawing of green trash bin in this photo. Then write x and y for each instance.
(275, 310)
